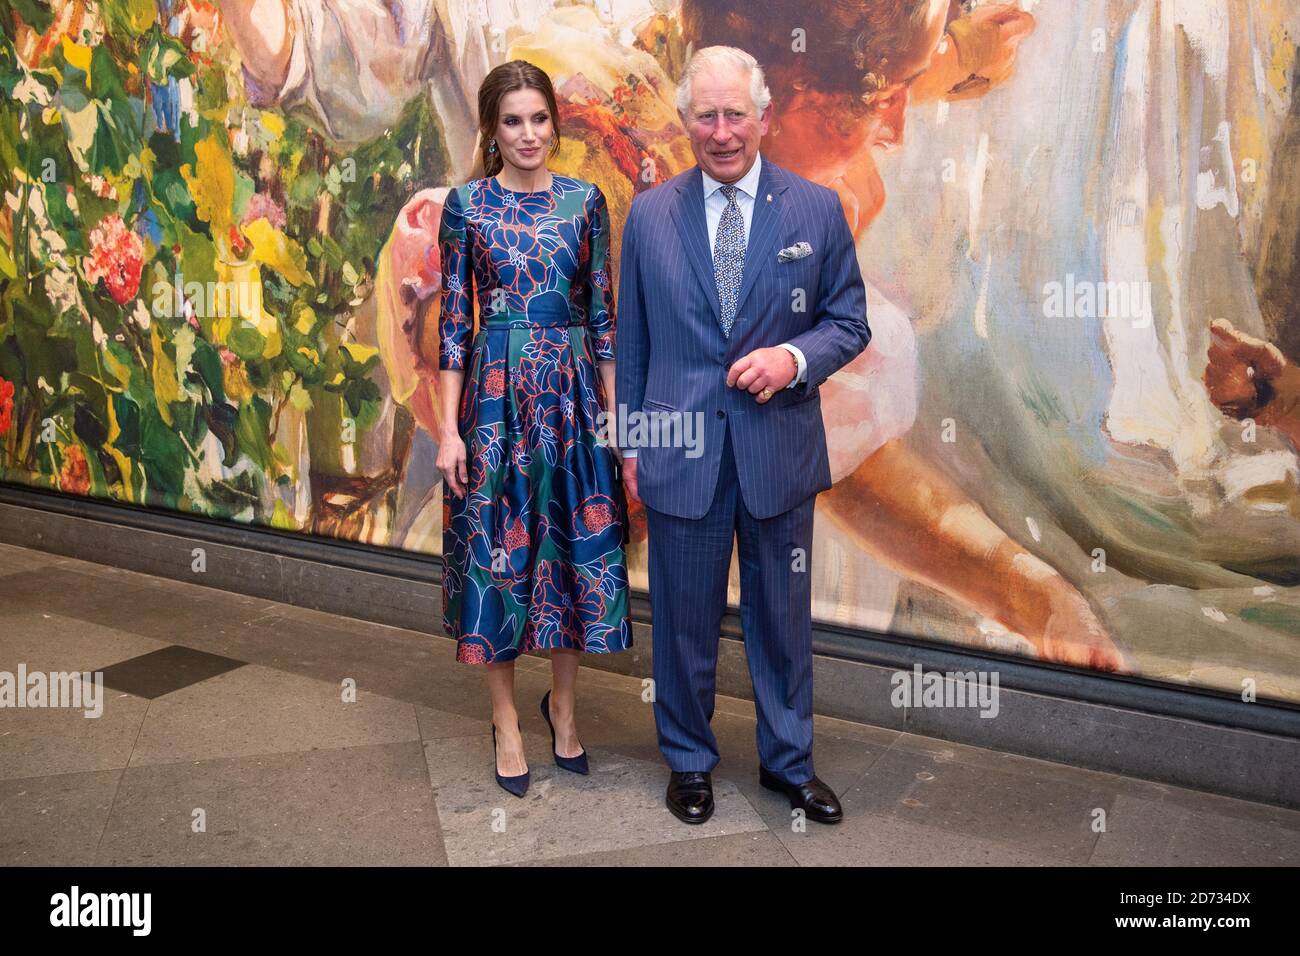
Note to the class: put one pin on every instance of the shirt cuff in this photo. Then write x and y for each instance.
(801, 365)
(628, 452)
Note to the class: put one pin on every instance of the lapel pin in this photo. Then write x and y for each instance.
(769, 197)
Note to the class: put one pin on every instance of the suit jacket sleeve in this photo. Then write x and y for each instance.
(840, 331)
(632, 344)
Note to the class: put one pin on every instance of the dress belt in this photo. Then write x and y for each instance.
(519, 324)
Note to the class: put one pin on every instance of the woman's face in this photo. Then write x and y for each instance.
(886, 109)
(525, 129)
(825, 133)
(816, 135)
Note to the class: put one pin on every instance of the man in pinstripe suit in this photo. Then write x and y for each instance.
(739, 295)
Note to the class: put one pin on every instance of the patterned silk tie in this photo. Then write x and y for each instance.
(729, 258)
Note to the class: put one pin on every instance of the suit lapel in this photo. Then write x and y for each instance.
(688, 214)
(764, 231)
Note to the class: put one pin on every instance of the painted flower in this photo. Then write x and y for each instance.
(74, 477)
(238, 245)
(6, 405)
(117, 257)
(100, 186)
(262, 206)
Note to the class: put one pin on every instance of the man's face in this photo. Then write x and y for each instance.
(722, 123)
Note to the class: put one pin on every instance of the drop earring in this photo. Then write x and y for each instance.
(492, 146)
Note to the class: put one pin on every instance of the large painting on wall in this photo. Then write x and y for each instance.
(1073, 436)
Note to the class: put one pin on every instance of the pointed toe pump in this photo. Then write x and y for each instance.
(517, 785)
(576, 764)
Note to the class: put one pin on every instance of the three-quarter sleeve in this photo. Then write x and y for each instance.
(456, 323)
(600, 292)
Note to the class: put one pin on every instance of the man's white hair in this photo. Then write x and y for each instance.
(729, 56)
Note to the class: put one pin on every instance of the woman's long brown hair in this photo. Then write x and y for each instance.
(507, 78)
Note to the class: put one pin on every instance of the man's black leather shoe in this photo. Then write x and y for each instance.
(690, 796)
(814, 798)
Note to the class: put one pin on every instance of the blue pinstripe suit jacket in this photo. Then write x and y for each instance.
(672, 356)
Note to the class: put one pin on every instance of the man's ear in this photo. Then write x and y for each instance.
(765, 120)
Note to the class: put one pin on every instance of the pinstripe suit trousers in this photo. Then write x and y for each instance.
(690, 560)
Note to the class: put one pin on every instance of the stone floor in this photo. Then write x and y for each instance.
(225, 738)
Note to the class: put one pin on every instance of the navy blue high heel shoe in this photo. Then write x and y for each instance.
(517, 785)
(576, 764)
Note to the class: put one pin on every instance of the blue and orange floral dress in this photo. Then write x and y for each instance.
(533, 555)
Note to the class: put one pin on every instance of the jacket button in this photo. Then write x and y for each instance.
(721, 413)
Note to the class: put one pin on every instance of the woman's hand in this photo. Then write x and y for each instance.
(451, 462)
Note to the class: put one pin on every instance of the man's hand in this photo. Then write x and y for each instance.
(629, 478)
(763, 372)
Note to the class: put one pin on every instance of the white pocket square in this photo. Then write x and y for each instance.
(798, 251)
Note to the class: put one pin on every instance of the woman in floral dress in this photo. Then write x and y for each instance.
(534, 514)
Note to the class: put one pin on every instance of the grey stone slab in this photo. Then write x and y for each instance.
(742, 849)
(875, 840)
(351, 806)
(51, 642)
(400, 664)
(189, 584)
(618, 806)
(377, 597)
(948, 751)
(1033, 815)
(35, 741)
(434, 724)
(14, 559)
(1166, 749)
(166, 556)
(256, 710)
(1105, 738)
(62, 590)
(54, 820)
(133, 604)
(1187, 829)
(1245, 811)
(166, 671)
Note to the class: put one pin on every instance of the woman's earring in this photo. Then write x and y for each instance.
(492, 146)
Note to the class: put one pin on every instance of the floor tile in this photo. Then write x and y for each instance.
(165, 671)
(352, 806)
